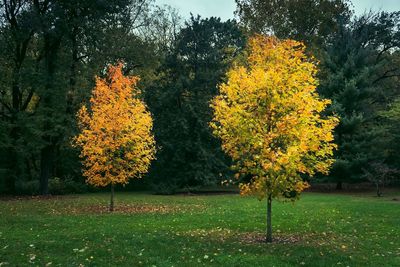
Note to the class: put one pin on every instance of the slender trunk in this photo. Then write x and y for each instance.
(13, 169)
(378, 191)
(48, 152)
(21, 42)
(15, 90)
(112, 198)
(269, 222)
(28, 168)
(13, 157)
(14, 134)
(46, 168)
(339, 186)
(72, 70)
(3, 107)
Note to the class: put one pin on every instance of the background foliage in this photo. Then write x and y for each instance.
(51, 50)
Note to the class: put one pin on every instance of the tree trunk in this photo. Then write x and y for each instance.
(21, 40)
(14, 133)
(378, 191)
(12, 174)
(112, 198)
(46, 168)
(269, 222)
(72, 74)
(48, 152)
(339, 186)
(10, 182)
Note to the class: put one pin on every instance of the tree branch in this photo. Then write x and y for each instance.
(27, 100)
(387, 75)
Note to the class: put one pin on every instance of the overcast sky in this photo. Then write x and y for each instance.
(225, 8)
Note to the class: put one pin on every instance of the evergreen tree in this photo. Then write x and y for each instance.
(188, 154)
(354, 74)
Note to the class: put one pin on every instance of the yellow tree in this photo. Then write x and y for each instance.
(115, 132)
(268, 116)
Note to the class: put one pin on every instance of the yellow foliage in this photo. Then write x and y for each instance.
(268, 116)
(116, 131)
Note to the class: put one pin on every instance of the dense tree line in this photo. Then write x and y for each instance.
(51, 50)
(188, 154)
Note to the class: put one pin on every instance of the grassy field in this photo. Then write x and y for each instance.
(220, 230)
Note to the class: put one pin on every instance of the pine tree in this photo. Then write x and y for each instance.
(189, 155)
(354, 67)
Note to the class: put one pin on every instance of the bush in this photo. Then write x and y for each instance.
(164, 188)
(59, 186)
(27, 187)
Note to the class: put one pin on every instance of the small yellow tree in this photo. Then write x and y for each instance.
(116, 132)
(268, 116)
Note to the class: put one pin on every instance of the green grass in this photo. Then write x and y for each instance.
(333, 230)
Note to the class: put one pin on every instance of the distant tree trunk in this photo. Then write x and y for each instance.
(339, 186)
(20, 39)
(11, 175)
(112, 198)
(14, 133)
(13, 172)
(46, 168)
(72, 74)
(378, 190)
(48, 152)
(269, 222)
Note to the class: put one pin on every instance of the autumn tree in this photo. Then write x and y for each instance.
(268, 116)
(116, 139)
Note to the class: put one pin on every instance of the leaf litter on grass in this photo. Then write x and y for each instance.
(127, 209)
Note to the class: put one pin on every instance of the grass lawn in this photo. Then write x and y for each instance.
(148, 230)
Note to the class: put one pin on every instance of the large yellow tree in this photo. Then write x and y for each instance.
(115, 132)
(268, 116)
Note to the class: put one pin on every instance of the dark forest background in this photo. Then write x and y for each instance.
(51, 50)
